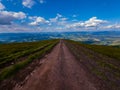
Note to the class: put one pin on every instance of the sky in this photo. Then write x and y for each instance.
(59, 15)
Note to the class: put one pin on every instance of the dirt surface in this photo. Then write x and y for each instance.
(95, 65)
(59, 71)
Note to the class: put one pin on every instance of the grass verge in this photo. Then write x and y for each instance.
(11, 70)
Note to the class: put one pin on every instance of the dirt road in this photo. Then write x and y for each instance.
(59, 71)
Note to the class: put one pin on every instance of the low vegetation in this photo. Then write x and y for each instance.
(12, 52)
(102, 61)
(110, 51)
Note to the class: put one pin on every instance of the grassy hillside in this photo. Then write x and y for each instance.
(102, 61)
(16, 56)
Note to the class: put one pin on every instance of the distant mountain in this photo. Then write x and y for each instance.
(89, 37)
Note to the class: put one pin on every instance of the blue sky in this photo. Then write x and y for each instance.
(59, 15)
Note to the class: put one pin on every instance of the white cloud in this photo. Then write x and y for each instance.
(63, 19)
(56, 18)
(28, 3)
(58, 23)
(62, 23)
(75, 25)
(6, 17)
(16, 28)
(114, 26)
(19, 15)
(59, 20)
(2, 6)
(31, 3)
(37, 21)
(91, 23)
(42, 1)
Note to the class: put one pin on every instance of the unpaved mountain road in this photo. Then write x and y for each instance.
(59, 71)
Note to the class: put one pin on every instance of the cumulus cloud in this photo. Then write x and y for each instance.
(28, 3)
(62, 23)
(31, 3)
(6, 17)
(59, 20)
(37, 20)
(2, 6)
(91, 23)
(58, 23)
(56, 18)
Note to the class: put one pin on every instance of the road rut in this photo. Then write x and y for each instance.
(59, 71)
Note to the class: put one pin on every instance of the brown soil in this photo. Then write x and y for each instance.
(59, 71)
(104, 77)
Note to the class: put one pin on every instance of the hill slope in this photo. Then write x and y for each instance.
(17, 60)
(69, 66)
(102, 61)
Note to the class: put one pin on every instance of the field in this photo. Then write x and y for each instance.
(16, 56)
(101, 61)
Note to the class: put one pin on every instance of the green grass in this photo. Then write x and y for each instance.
(16, 56)
(111, 51)
(102, 61)
(8, 49)
(12, 52)
(41, 51)
(106, 50)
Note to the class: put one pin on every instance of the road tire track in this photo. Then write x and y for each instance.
(59, 71)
